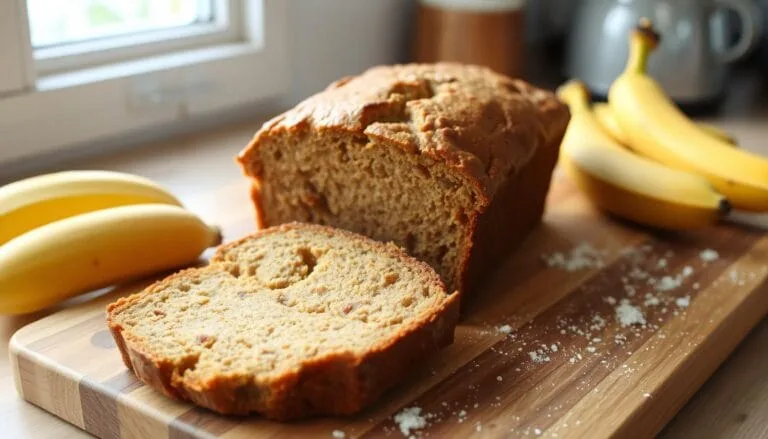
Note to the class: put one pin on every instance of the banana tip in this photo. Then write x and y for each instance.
(218, 237)
(724, 207)
(573, 90)
(646, 31)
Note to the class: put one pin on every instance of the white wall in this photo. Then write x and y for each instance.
(333, 38)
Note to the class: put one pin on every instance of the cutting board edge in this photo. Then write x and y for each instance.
(62, 388)
(698, 380)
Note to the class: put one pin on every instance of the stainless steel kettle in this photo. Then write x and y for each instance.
(691, 63)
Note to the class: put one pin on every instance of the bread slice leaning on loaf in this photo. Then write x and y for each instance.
(452, 162)
(292, 321)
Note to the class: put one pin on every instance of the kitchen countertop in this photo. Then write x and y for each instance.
(733, 403)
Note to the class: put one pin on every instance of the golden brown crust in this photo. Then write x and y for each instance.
(336, 384)
(517, 207)
(483, 124)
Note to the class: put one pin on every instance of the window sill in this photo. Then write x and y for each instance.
(148, 65)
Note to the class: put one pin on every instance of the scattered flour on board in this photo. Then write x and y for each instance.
(505, 329)
(410, 418)
(627, 314)
(338, 434)
(683, 302)
(638, 274)
(709, 255)
(651, 300)
(538, 356)
(598, 322)
(668, 283)
(579, 258)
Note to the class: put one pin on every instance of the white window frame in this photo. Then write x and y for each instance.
(16, 67)
(56, 104)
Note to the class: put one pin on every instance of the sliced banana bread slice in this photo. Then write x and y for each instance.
(292, 321)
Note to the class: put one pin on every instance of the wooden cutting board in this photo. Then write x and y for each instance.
(593, 328)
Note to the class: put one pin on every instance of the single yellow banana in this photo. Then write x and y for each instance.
(627, 185)
(97, 249)
(659, 130)
(36, 201)
(608, 121)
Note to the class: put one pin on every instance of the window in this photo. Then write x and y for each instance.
(85, 70)
(53, 22)
(81, 33)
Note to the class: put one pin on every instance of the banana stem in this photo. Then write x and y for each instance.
(642, 42)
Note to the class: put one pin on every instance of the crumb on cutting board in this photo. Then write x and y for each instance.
(410, 418)
(628, 315)
(709, 255)
(538, 356)
(580, 257)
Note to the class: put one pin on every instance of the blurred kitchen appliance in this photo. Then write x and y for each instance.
(763, 54)
(692, 60)
(548, 21)
(487, 32)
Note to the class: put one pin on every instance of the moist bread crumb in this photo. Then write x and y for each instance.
(451, 162)
(292, 321)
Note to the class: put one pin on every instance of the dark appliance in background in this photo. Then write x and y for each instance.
(762, 53)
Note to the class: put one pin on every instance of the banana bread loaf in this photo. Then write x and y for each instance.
(292, 321)
(452, 162)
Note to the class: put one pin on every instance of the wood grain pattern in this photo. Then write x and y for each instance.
(733, 403)
(601, 379)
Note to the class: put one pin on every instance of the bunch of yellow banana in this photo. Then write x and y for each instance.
(66, 233)
(642, 159)
(655, 127)
(626, 184)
